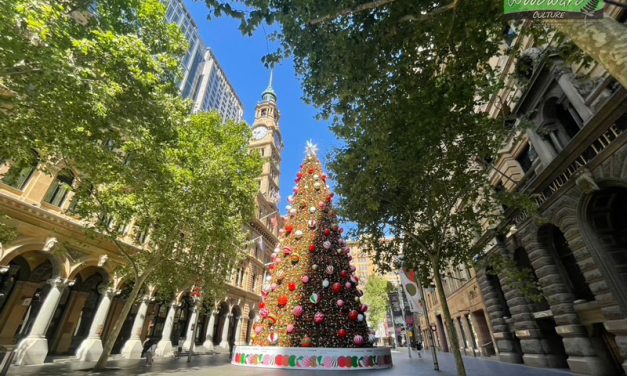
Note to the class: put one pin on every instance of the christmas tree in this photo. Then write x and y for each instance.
(312, 299)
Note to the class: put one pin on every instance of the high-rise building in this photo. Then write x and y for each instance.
(204, 82)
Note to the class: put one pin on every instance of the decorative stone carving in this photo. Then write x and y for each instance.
(585, 182)
(51, 244)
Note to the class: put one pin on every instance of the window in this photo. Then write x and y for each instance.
(526, 157)
(254, 285)
(58, 191)
(19, 177)
(142, 234)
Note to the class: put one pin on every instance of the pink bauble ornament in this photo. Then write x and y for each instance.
(319, 318)
(326, 244)
(329, 269)
(273, 286)
(348, 285)
(364, 308)
(298, 311)
(321, 205)
(258, 329)
(287, 251)
(340, 303)
(290, 328)
(342, 242)
(305, 279)
(264, 312)
(358, 340)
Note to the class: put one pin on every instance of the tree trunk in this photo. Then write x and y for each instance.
(605, 40)
(450, 329)
(117, 327)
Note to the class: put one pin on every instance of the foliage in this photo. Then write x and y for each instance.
(520, 279)
(85, 75)
(7, 230)
(326, 291)
(376, 296)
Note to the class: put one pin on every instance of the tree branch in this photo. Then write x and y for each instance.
(344, 12)
(436, 11)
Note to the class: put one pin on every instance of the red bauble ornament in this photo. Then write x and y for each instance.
(342, 333)
(337, 287)
(299, 176)
(344, 274)
(292, 286)
(324, 178)
(327, 232)
(312, 248)
(311, 171)
(306, 342)
(353, 315)
(262, 305)
(289, 229)
(282, 301)
(330, 198)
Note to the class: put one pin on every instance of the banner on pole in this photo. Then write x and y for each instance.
(412, 292)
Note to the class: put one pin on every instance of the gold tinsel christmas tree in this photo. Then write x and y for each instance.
(312, 299)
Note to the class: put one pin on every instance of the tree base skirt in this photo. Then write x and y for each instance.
(318, 358)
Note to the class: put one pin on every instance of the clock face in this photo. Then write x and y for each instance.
(260, 132)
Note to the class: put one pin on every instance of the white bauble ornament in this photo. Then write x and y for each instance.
(325, 283)
(292, 211)
(317, 185)
(357, 299)
(326, 244)
(298, 234)
(312, 209)
(316, 177)
(288, 207)
(360, 317)
(314, 266)
(339, 251)
(311, 223)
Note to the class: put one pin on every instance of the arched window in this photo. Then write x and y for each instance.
(59, 189)
(524, 264)
(18, 177)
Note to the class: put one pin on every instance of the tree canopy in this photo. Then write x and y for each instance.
(376, 296)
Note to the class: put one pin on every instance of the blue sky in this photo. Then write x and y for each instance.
(240, 57)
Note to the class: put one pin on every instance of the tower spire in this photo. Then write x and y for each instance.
(269, 95)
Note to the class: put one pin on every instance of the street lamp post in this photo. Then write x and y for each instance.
(436, 365)
(400, 299)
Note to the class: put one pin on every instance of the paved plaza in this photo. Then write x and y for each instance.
(218, 365)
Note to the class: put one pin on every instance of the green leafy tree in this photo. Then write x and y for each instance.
(376, 296)
(92, 88)
(194, 201)
(77, 76)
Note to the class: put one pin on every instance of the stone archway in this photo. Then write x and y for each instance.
(605, 224)
(219, 337)
(235, 326)
(23, 290)
(76, 310)
(251, 323)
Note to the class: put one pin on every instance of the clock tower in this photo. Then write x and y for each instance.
(268, 143)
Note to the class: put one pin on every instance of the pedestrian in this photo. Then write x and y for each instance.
(418, 348)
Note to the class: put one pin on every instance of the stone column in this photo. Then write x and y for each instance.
(132, 348)
(224, 341)
(238, 331)
(91, 347)
(582, 358)
(503, 338)
(471, 340)
(191, 325)
(208, 344)
(34, 348)
(164, 346)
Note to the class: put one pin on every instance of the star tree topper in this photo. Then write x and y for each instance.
(312, 149)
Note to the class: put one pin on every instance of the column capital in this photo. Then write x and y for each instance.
(58, 282)
(106, 290)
